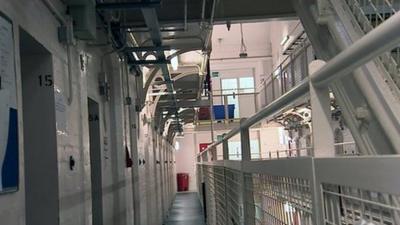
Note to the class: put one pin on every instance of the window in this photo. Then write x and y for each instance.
(255, 149)
(237, 85)
(235, 152)
(246, 84)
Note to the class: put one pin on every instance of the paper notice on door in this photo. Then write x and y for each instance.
(7, 67)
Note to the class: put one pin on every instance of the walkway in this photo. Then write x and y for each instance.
(186, 210)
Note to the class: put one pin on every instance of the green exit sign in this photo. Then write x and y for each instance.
(215, 74)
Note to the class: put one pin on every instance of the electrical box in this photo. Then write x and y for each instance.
(84, 18)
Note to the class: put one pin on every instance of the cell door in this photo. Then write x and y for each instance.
(95, 162)
(39, 127)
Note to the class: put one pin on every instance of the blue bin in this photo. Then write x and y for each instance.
(219, 111)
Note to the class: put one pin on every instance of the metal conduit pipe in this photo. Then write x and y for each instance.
(55, 12)
(63, 21)
(127, 5)
(383, 38)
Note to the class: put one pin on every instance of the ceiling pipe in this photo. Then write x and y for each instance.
(185, 23)
(147, 49)
(127, 5)
(153, 62)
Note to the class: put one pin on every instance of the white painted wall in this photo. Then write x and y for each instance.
(189, 147)
(185, 158)
(226, 44)
(265, 52)
(280, 29)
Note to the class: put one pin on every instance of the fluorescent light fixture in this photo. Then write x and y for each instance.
(174, 60)
(285, 40)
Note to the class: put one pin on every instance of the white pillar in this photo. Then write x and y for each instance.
(323, 141)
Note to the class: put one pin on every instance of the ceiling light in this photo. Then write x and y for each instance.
(243, 48)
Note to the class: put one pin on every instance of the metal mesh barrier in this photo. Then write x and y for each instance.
(233, 197)
(303, 191)
(208, 174)
(348, 205)
(222, 195)
(291, 72)
(220, 198)
(280, 200)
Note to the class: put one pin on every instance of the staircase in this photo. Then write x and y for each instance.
(332, 26)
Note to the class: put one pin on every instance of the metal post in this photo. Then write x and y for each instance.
(205, 157)
(273, 88)
(245, 144)
(292, 71)
(226, 108)
(282, 79)
(321, 116)
(247, 180)
(265, 93)
(214, 153)
(225, 150)
(212, 116)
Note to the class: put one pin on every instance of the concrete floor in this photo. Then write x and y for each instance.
(186, 210)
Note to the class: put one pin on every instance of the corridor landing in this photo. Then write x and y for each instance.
(186, 210)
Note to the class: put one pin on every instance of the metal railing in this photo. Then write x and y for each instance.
(306, 190)
(342, 149)
(291, 72)
(244, 98)
(303, 191)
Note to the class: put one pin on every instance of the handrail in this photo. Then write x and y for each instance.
(381, 39)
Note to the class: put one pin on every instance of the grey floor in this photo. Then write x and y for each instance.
(186, 210)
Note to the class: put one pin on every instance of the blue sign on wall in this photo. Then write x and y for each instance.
(9, 166)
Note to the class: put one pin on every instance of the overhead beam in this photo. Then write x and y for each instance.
(172, 11)
(151, 19)
(147, 49)
(127, 5)
(154, 62)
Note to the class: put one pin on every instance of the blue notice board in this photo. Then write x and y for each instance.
(9, 166)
